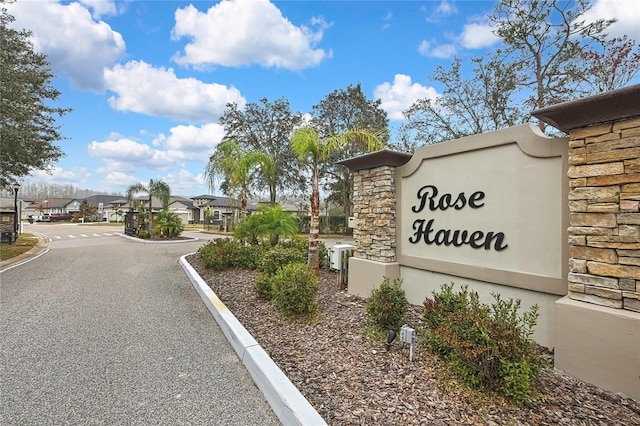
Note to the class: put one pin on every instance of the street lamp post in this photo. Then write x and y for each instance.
(16, 187)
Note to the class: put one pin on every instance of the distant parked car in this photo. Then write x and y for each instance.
(56, 217)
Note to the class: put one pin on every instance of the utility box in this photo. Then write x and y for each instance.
(338, 253)
(351, 222)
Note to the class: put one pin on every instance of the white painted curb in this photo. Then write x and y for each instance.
(285, 399)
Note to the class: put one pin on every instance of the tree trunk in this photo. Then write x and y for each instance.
(314, 230)
(150, 214)
(272, 194)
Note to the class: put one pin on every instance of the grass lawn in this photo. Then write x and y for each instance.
(23, 244)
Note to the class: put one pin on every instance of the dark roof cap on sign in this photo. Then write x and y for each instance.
(384, 157)
(608, 106)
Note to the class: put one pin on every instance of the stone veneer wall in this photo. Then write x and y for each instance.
(604, 205)
(6, 226)
(374, 201)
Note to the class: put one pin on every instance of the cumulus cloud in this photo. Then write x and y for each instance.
(116, 181)
(76, 44)
(185, 182)
(442, 51)
(127, 155)
(237, 33)
(75, 176)
(477, 36)
(400, 95)
(627, 14)
(191, 143)
(141, 88)
(101, 7)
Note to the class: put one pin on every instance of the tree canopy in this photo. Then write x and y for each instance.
(266, 126)
(237, 169)
(549, 54)
(28, 129)
(347, 112)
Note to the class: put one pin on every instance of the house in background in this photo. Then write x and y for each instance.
(52, 206)
(110, 207)
(225, 211)
(184, 208)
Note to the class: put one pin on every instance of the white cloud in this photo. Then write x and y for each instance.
(387, 20)
(627, 12)
(74, 42)
(184, 182)
(126, 155)
(141, 88)
(116, 181)
(76, 176)
(477, 36)
(191, 143)
(401, 94)
(238, 32)
(444, 9)
(101, 7)
(442, 51)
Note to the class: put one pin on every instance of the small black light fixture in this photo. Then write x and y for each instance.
(390, 338)
(16, 216)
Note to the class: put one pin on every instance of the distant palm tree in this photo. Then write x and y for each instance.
(238, 168)
(157, 188)
(312, 151)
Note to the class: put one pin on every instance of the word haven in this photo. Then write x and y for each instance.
(425, 230)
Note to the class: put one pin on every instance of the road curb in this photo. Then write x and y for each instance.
(285, 399)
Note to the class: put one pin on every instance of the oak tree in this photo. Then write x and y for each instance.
(28, 129)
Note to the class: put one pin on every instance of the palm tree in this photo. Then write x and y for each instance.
(312, 151)
(237, 168)
(157, 188)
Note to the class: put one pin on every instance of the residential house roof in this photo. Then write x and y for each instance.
(54, 203)
(104, 199)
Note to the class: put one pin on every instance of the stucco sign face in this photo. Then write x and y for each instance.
(486, 205)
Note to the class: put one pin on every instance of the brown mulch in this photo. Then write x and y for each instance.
(352, 380)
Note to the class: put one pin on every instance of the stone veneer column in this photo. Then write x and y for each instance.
(599, 341)
(374, 200)
(604, 204)
(374, 209)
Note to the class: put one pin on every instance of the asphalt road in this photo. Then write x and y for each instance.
(104, 330)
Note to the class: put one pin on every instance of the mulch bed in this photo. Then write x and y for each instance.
(351, 380)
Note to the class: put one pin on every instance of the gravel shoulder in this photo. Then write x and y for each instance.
(354, 381)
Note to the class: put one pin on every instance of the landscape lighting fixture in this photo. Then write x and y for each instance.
(390, 338)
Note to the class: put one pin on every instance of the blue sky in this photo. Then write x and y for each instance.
(148, 80)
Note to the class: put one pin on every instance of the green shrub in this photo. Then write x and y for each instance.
(295, 288)
(387, 305)
(225, 253)
(144, 234)
(279, 256)
(213, 255)
(263, 286)
(488, 346)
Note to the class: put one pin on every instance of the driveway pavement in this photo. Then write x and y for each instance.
(114, 334)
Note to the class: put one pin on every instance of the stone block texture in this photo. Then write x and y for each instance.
(604, 206)
(374, 202)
